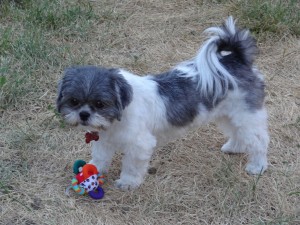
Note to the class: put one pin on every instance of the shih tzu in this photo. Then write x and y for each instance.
(135, 114)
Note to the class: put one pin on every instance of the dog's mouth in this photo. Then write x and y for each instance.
(84, 123)
(87, 126)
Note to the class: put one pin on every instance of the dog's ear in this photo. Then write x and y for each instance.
(124, 93)
(68, 72)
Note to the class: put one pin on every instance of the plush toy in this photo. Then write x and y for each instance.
(87, 180)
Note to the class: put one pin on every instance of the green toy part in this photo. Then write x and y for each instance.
(77, 164)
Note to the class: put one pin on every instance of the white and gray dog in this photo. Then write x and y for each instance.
(135, 114)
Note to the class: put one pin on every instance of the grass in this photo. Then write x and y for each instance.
(276, 17)
(29, 43)
(66, 19)
(193, 182)
(27, 53)
(30, 52)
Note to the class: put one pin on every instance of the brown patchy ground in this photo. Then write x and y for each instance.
(195, 183)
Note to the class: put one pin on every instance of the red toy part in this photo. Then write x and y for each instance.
(89, 170)
(79, 177)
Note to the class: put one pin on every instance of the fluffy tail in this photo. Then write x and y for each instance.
(227, 47)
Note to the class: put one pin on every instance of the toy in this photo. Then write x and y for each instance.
(87, 180)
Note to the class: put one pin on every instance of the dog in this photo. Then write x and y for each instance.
(136, 114)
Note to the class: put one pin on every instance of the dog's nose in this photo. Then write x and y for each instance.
(84, 116)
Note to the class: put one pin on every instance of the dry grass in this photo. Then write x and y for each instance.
(195, 183)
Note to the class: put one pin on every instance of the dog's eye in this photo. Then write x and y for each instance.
(74, 102)
(99, 104)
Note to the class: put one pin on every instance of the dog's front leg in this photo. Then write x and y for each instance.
(135, 163)
(133, 172)
(102, 154)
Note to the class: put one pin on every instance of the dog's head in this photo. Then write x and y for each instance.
(92, 97)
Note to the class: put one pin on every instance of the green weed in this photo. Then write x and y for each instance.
(280, 220)
(21, 58)
(27, 48)
(275, 17)
(67, 19)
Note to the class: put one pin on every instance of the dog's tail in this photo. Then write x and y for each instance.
(227, 49)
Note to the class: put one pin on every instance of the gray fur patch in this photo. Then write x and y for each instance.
(181, 97)
(240, 65)
(247, 80)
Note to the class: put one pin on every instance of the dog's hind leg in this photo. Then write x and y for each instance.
(248, 134)
(233, 145)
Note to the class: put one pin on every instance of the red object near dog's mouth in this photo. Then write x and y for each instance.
(91, 136)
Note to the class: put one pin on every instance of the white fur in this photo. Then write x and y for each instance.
(72, 118)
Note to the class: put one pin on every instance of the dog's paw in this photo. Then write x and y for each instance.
(126, 185)
(256, 168)
(227, 147)
(231, 147)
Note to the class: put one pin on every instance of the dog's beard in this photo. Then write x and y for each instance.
(95, 123)
(71, 118)
(99, 122)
